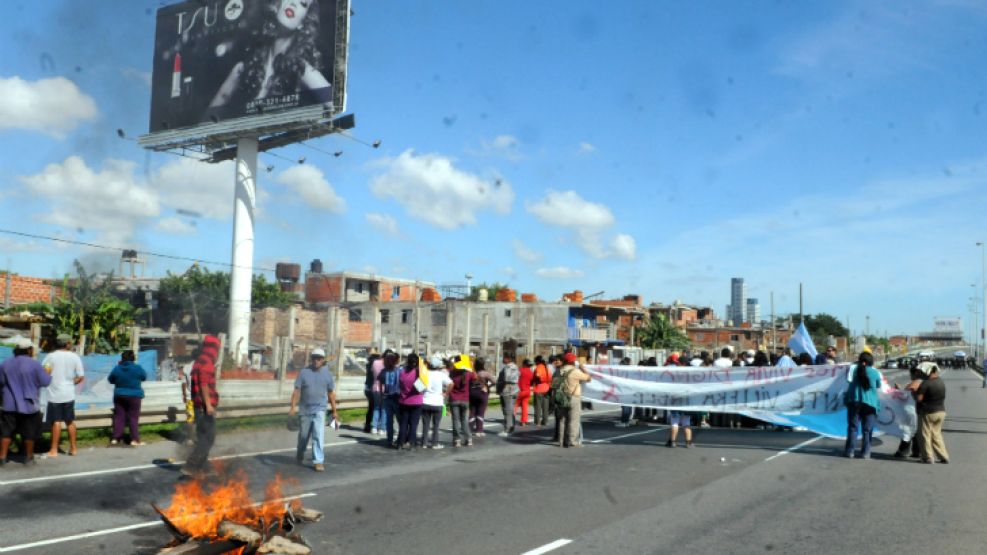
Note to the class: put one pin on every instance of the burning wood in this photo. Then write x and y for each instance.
(225, 520)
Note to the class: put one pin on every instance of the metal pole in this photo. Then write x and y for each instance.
(982, 340)
(245, 198)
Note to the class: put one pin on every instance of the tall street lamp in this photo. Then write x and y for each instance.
(983, 295)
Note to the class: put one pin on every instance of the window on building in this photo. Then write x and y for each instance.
(734, 337)
(440, 317)
(406, 316)
(359, 287)
(356, 315)
(507, 313)
(396, 292)
(385, 316)
(700, 336)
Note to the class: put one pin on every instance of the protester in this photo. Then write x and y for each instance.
(526, 375)
(725, 360)
(373, 397)
(315, 388)
(571, 375)
(414, 381)
(439, 385)
(66, 370)
(541, 382)
(127, 396)
(185, 377)
(761, 359)
(931, 398)
(21, 380)
(785, 360)
(377, 391)
(679, 419)
(804, 359)
(390, 386)
(479, 396)
(626, 411)
(862, 405)
(917, 374)
(459, 397)
(205, 399)
(507, 388)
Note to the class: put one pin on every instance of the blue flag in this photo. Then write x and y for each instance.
(801, 342)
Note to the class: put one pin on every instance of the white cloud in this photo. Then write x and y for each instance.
(175, 226)
(588, 222)
(559, 272)
(198, 187)
(623, 246)
(505, 146)
(143, 77)
(524, 253)
(53, 106)
(310, 184)
(110, 201)
(432, 189)
(383, 222)
(568, 209)
(586, 148)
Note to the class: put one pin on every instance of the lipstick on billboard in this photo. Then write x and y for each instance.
(176, 77)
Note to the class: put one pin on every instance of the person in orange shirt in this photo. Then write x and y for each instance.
(541, 383)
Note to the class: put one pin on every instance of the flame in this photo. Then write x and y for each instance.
(198, 512)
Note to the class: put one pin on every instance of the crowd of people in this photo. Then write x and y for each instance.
(401, 394)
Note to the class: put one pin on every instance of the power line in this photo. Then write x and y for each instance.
(146, 253)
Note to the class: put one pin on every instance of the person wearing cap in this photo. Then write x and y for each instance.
(507, 388)
(862, 404)
(931, 407)
(66, 370)
(573, 376)
(315, 390)
(21, 380)
(438, 388)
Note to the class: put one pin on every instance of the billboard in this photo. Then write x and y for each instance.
(949, 324)
(247, 65)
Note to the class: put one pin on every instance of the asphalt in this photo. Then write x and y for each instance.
(738, 491)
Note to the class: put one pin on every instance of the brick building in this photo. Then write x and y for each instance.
(20, 290)
(352, 287)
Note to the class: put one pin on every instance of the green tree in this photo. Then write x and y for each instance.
(821, 326)
(199, 300)
(659, 333)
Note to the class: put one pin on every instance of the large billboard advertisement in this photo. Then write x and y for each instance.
(949, 324)
(222, 60)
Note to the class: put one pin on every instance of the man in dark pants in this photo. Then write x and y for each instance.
(205, 398)
(373, 397)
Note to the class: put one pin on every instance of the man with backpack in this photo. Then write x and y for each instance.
(507, 388)
(567, 396)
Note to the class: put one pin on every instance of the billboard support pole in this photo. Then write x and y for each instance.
(241, 275)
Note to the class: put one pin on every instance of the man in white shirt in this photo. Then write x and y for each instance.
(66, 372)
(725, 360)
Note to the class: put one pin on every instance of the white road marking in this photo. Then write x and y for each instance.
(108, 531)
(648, 431)
(794, 448)
(548, 547)
(147, 466)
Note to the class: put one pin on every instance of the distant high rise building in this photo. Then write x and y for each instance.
(737, 309)
(753, 311)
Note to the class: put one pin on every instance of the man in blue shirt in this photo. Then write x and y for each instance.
(21, 380)
(314, 389)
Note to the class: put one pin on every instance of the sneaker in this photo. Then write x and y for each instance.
(689, 445)
(114, 442)
(865, 456)
(503, 434)
(319, 467)
(456, 443)
(137, 443)
(374, 431)
(469, 443)
(479, 434)
(622, 425)
(439, 446)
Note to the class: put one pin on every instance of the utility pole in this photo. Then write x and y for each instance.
(982, 331)
(774, 325)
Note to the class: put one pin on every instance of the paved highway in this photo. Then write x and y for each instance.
(738, 491)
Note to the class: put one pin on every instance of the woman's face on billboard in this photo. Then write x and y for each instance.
(291, 13)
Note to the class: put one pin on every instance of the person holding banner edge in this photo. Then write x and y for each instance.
(862, 404)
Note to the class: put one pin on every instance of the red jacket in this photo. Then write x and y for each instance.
(544, 379)
(524, 382)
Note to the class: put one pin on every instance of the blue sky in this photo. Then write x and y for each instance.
(656, 148)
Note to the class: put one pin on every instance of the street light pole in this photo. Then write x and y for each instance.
(982, 337)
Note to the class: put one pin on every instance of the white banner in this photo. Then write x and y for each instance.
(808, 396)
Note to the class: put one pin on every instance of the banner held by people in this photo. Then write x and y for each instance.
(808, 396)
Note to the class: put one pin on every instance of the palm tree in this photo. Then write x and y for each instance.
(661, 334)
